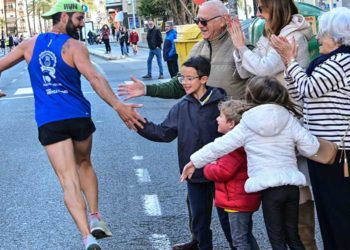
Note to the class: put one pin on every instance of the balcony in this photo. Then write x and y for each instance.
(113, 3)
(11, 20)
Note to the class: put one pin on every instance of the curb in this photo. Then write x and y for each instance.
(111, 57)
(107, 57)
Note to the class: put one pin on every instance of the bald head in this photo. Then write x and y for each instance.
(216, 6)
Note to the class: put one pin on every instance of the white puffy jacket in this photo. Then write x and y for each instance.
(269, 135)
(264, 59)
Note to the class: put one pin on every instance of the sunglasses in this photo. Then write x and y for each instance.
(203, 21)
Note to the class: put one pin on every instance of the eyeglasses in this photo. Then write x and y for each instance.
(203, 21)
(182, 78)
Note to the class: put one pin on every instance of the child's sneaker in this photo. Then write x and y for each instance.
(99, 228)
(91, 243)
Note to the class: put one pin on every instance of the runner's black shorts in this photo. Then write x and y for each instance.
(78, 129)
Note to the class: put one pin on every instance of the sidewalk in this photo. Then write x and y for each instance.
(99, 50)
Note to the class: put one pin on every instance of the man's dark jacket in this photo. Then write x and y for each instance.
(154, 38)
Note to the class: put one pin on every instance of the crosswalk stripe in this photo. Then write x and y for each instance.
(24, 91)
(160, 241)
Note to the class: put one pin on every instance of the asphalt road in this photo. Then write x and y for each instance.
(140, 195)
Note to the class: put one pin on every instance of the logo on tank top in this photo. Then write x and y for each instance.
(48, 61)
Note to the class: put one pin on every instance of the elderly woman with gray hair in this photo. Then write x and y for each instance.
(325, 90)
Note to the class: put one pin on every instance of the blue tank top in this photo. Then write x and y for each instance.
(56, 85)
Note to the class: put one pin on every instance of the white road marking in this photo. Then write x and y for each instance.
(15, 98)
(137, 157)
(143, 175)
(151, 205)
(24, 91)
(160, 241)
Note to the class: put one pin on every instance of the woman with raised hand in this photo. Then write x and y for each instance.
(281, 18)
(324, 89)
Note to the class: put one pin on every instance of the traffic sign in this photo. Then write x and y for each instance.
(85, 8)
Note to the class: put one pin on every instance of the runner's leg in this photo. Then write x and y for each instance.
(61, 156)
(87, 175)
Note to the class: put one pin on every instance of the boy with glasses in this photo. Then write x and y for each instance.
(193, 122)
(217, 46)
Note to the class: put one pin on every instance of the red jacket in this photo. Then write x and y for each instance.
(229, 174)
(134, 37)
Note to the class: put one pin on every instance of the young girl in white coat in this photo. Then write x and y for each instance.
(269, 132)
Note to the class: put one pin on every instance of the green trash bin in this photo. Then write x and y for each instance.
(187, 36)
(311, 14)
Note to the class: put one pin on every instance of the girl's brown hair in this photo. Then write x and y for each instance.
(265, 90)
(281, 12)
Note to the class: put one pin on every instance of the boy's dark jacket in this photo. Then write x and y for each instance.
(193, 124)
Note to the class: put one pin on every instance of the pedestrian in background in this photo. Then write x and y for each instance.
(154, 40)
(105, 32)
(10, 42)
(90, 37)
(169, 49)
(134, 39)
(113, 31)
(324, 88)
(123, 38)
(3, 45)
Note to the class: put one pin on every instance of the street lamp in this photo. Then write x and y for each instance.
(133, 13)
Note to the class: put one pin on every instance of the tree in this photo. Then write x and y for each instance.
(152, 8)
(165, 9)
(2, 22)
(27, 13)
(5, 11)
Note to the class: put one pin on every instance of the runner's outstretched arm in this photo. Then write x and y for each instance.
(127, 112)
(15, 56)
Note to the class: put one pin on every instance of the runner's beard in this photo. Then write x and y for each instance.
(71, 30)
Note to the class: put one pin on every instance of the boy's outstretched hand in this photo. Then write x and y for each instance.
(187, 172)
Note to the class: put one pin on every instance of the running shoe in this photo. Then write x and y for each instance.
(91, 243)
(99, 228)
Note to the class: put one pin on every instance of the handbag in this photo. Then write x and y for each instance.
(326, 153)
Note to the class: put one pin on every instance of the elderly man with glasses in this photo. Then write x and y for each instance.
(217, 46)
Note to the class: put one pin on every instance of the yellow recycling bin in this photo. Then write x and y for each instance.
(187, 36)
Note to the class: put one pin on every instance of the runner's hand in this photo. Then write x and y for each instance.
(130, 116)
(187, 172)
(135, 89)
